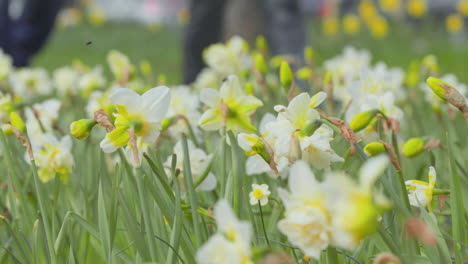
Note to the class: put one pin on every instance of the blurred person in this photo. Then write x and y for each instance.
(23, 36)
(283, 26)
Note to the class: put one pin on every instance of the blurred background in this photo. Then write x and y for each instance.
(395, 31)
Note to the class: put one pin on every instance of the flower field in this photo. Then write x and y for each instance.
(345, 159)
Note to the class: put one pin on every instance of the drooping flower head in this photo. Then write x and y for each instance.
(419, 192)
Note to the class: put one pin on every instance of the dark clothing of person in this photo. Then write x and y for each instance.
(283, 21)
(24, 36)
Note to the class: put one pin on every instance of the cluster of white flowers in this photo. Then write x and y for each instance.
(295, 134)
(290, 145)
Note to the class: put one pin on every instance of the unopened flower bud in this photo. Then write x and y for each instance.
(260, 64)
(311, 127)
(304, 73)
(261, 44)
(286, 76)
(374, 148)
(145, 68)
(7, 130)
(362, 120)
(167, 122)
(308, 54)
(17, 121)
(448, 93)
(162, 80)
(80, 129)
(252, 145)
(413, 147)
(249, 88)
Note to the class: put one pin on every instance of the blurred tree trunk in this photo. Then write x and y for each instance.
(243, 18)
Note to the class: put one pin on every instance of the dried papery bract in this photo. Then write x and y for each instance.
(433, 143)
(417, 228)
(24, 141)
(392, 155)
(345, 130)
(384, 258)
(103, 119)
(277, 258)
(391, 124)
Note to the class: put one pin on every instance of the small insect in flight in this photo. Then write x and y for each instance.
(89, 43)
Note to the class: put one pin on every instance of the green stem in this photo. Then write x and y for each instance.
(332, 256)
(45, 219)
(263, 224)
(191, 193)
(146, 215)
(223, 176)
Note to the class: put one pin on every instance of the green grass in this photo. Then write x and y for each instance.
(163, 48)
(119, 214)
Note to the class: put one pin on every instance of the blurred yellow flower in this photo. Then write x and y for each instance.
(351, 24)
(367, 10)
(454, 23)
(462, 7)
(417, 8)
(378, 27)
(390, 5)
(96, 16)
(330, 26)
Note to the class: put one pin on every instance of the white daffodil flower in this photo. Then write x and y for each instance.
(184, 105)
(65, 80)
(419, 192)
(30, 82)
(91, 81)
(48, 112)
(54, 157)
(231, 244)
(335, 212)
(296, 137)
(207, 78)
(199, 162)
(259, 193)
(231, 58)
(140, 113)
(354, 208)
(100, 100)
(306, 220)
(229, 107)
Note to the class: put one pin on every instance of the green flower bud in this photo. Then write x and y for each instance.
(286, 76)
(17, 121)
(413, 147)
(261, 44)
(249, 88)
(304, 73)
(308, 54)
(6, 128)
(80, 129)
(434, 84)
(167, 122)
(374, 148)
(327, 79)
(145, 68)
(310, 128)
(260, 63)
(162, 80)
(362, 120)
